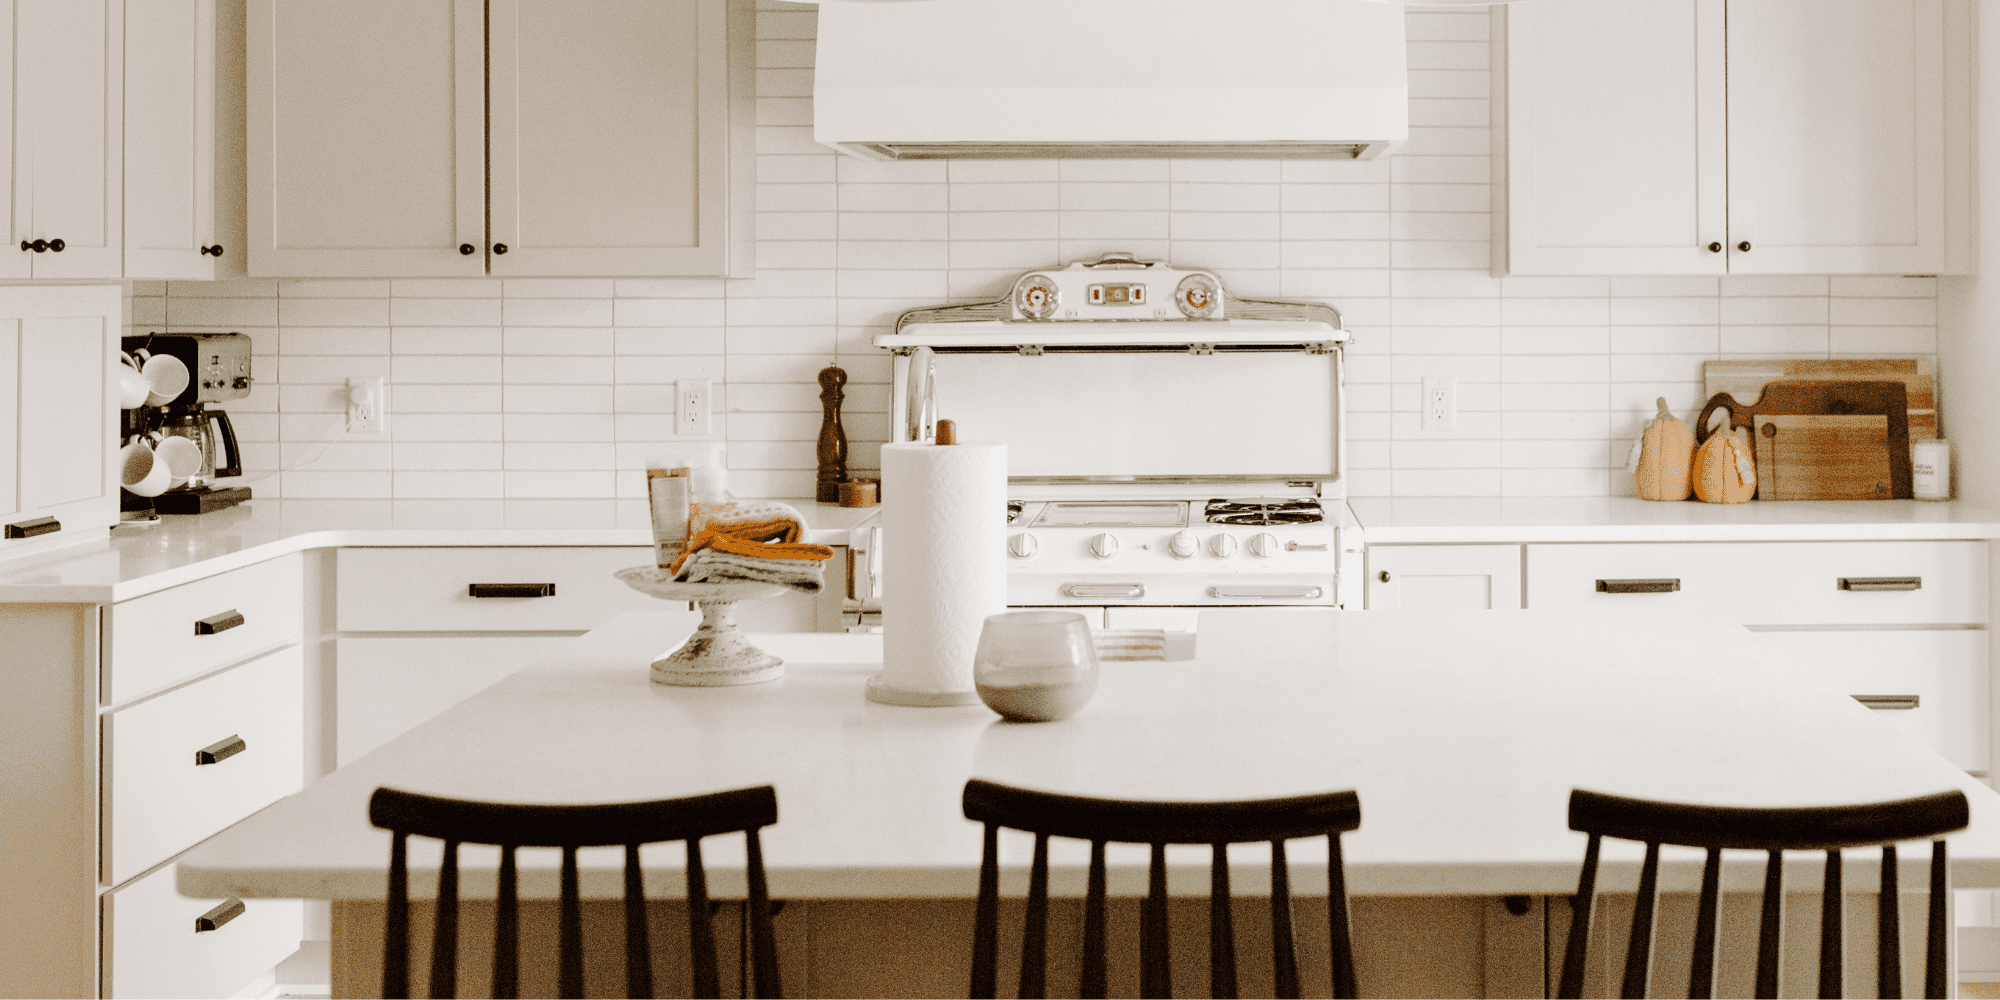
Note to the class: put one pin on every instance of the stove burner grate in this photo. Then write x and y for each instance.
(1273, 510)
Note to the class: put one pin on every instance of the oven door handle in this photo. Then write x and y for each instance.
(1114, 591)
(1306, 592)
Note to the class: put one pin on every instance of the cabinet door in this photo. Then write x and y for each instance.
(56, 363)
(68, 154)
(1615, 159)
(170, 139)
(1836, 149)
(609, 144)
(366, 129)
(1448, 577)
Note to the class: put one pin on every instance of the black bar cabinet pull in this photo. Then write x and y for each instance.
(222, 914)
(1874, 583)
(29, 529)
(216, 753)
(511, 589)
(1894, 701)
(219, 623)
(1663, 586)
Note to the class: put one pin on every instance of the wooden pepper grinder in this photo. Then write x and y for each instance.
(832, 438)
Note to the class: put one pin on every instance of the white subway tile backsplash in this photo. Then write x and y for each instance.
(444, 311)
(532, 388)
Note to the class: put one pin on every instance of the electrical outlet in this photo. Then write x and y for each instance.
(1440, 403)
(691, 410)
(368, 405)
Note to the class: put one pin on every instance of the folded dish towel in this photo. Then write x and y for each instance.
(719, 565)
(757, 541)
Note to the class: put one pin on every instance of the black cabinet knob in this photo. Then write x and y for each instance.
(56, 245)
(216, 250)
(1715, 248)
(499, 248)
(38, 246)
(1383, 576)
(467, 249)
(1744, 246)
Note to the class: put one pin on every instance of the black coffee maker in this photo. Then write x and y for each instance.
(218, 367)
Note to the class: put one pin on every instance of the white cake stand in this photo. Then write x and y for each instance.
(716, 654)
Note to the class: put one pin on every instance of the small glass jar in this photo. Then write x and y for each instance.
(1035, 666)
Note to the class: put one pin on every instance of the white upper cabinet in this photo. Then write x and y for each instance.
(67, 76)
(446, 138)
(1713, 137)
(170, 139)
(367, 138)
(1836, 136)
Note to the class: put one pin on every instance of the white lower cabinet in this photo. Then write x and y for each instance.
(1900, 625)
(422, 629)
(1929, 683)
(163, 944)
(1444, 577)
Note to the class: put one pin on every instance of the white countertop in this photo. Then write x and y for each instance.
(1462, 733)
(1630, 519)
(144, 558)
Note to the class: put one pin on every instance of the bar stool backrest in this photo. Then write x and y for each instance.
(1774, 831)
(1101, 821)
(626, 824)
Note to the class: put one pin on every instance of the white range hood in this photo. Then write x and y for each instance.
(1320, 79)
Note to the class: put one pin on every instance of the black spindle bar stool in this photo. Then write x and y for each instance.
(626, 824)
(1774, 831)
(1157, 824)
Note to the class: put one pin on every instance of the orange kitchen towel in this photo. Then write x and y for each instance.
(773, 538)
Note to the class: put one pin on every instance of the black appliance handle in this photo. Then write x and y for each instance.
(235, 466)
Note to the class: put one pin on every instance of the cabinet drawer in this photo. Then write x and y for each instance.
(1945, 669)
(161, 638)
(159, 801)
(152, 949)
(425, 590)
(1771, 583)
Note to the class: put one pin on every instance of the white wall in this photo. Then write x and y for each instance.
(560, 387)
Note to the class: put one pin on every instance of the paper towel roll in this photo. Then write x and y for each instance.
(944, 567)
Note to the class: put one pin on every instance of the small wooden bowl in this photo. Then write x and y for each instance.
(860, 492)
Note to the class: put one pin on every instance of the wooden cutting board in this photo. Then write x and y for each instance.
(1745, 381)
(1823, 457)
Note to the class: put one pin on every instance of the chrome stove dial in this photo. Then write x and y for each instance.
(1022, 545)
(1222, 546)
(1036, 296)
(1183, 545)
(1263, 545)
(1104, 545)
(1198, 296)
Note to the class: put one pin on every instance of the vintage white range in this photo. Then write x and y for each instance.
(1171, 446)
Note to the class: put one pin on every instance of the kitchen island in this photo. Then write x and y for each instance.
(1463, 735)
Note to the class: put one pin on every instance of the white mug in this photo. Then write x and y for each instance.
(166, 377)
(142, 473)
(132, 388)
(181, 456)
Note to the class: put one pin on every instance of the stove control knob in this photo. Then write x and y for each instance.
(1222, 546)
(1183, 545)
(1263, 545)
(1104, 546)
(1021, 546)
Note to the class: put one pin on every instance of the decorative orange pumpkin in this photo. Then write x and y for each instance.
(1665, 456)
(1723, 472)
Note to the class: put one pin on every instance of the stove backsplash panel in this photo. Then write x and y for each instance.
(560, 388)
